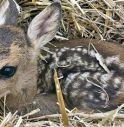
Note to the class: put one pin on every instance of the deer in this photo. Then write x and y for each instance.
(91, 72)
(19, 51)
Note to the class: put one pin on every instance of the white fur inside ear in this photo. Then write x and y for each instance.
(45, 25)
(9, 11)
(3, 8)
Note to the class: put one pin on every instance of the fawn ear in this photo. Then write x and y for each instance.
(9, 11)
(44, 26)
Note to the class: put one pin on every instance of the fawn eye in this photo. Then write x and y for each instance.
(7, 71)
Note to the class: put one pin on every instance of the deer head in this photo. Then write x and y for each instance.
(19, 51)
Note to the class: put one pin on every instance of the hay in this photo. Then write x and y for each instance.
(100, 19)
(109, 119)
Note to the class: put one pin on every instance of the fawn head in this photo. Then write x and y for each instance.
(18, 50)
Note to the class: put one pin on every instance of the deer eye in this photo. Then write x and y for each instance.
(7, 71)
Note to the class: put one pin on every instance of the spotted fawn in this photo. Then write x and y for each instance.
(90, 71)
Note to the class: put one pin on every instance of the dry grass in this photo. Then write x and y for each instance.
(101, 19)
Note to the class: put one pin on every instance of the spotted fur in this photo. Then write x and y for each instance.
(84, 81)
(91, 72)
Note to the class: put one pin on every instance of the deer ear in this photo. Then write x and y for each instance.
(9, 11)
(44, 26)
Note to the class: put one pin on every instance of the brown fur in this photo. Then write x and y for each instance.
(22, 86)
(104, 48)
(20, 50)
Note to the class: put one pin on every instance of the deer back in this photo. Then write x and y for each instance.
(90, 72)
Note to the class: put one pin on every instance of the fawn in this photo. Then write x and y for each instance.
(19, 51)
(87, 82)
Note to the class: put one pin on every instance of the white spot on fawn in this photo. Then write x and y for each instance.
(63, 63)
(102, 96)
(85, 74)
(96, 100)
(85, 63)
(117, 80)
(47, 56)
(116, 86)
(59, 54)
(90, 96)
(96, 65)
(92, 65)
(83, 93)
(52, 65)
(76, 85)
(57, 50)
(92, 53)
(88, 85)
(106, 77)
(66, 48)
(112, 59)
(74, 93)
(79, 49)
(96, 75)
(84, 51)
(76, 57)
(69, 80)
(73, 49)
(105, 85)
(62, 49)
(68, 59)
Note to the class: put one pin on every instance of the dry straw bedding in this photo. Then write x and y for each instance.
(100, 19)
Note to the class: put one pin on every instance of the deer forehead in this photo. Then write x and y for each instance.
(13, 45)
(12, 34)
